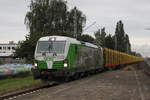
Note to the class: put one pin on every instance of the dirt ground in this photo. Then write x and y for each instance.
(112, 85)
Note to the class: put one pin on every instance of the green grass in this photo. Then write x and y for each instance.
(130, 68)
(11, 84)
(1, 63)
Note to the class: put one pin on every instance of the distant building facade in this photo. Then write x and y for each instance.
(7, 51)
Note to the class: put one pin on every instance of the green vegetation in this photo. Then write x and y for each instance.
(52, 17)
(122, 39)
(1, 63)
(86, 38)
(12, 84)
(49, 17)
(119, 41)
(129, 68)
(100, 36)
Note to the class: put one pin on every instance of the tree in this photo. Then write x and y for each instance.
(86, 38)
(48, 17)
(100, 36)
(51, 17)
(120, 37)
(80, 21)
(109, 42)
(24, 49)
(136, 54)
(122, 42)
(127, 43)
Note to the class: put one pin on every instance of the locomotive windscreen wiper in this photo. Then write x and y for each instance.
(50, 47)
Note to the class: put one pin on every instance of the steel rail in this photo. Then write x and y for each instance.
(15, 94)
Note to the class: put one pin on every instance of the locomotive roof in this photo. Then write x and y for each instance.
(68, 39)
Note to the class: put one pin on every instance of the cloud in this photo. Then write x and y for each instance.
(134, 14)
(12, 14)
(143, 49)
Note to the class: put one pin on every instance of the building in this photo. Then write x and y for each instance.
(7, 51)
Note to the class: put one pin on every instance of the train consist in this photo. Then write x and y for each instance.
(59, 57)
(114, 58)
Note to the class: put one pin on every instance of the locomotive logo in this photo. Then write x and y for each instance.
(47, 58)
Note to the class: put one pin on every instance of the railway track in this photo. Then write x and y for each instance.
(14, 95)
(44, 85)
(10, 96)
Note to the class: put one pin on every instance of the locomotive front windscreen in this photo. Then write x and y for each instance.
(51, 46)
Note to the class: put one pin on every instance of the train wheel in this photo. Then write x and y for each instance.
(86, 74)
(65, 79)
(76, 76)
(96, 71)
(82, 75)
(110, 68)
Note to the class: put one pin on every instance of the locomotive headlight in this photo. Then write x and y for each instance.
(65, 65)
(35, 64)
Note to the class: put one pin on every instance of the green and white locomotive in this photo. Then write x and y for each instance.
(58, 57)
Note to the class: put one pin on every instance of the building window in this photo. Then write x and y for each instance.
(0, 48)
(13, 48)
(8, 48)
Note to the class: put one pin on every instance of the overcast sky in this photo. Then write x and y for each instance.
(135, 15)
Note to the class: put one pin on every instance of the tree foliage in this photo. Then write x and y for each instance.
(51, 17)
(86, 38)
(128, 45)
(120, 37)
(45, 18)
(120, 41)
(25, 49)
(80, 21)
(100, 36)
(109, 41)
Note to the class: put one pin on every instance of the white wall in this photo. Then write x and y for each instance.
(7, 49)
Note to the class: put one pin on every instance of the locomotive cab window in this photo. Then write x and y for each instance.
(51, 46)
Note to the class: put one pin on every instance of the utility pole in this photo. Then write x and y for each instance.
(75, 22)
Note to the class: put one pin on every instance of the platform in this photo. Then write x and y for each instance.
(112, 85)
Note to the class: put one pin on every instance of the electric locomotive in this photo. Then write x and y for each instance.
(59, 57)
